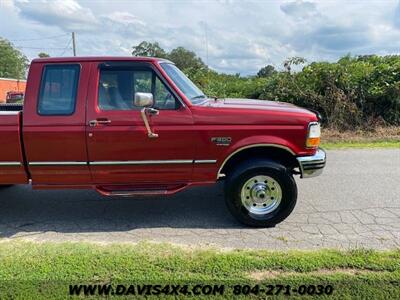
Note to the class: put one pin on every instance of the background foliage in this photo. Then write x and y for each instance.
(361, 91)
(354, 92)
(13, 63)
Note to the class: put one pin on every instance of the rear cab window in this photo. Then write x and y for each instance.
(58, 90)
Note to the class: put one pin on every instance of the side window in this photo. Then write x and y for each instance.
(163, 98)
(142, 81)
(117, 88)
(58, 90)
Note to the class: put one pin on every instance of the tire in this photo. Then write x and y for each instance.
(260, 193)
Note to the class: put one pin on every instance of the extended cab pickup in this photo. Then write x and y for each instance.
(128, 126)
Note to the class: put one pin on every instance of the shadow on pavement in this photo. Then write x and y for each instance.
(69, 211)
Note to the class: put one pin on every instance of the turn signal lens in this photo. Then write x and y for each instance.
(314, 135)
(313, 142)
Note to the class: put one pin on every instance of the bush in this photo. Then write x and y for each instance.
(353, 92)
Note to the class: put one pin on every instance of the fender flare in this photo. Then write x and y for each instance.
(219, 175)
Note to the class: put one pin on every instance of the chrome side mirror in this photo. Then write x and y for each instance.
(143, 100)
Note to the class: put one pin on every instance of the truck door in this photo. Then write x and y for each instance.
(119, 147)
(54, 123)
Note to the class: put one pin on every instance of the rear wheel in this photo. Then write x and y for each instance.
(260, 193)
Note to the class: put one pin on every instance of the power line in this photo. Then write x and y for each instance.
(63, 49)
(40, 48)
(66, 48)
(38, 39)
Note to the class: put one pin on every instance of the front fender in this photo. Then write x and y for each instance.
(255, 141)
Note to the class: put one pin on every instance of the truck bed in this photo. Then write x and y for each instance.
(12, 169)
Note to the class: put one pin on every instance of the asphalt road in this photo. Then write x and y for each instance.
(355, 203)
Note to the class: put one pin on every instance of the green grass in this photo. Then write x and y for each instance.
(45, 270)
(362, 144)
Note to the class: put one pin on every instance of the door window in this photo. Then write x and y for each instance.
(117, 88)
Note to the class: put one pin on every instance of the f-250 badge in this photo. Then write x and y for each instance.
(222, 140)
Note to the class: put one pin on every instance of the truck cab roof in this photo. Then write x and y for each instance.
(98, 58)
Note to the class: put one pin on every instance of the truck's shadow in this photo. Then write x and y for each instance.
(25, 210)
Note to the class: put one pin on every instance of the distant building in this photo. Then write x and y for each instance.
(10, 85)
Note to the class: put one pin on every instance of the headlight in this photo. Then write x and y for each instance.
(313, 135)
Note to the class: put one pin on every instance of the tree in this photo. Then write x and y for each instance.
(266, 71)
(43, 55)
(13, 63)
(149, 49)
(185, 59)
(293, 61)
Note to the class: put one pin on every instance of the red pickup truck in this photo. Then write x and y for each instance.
(128, 126)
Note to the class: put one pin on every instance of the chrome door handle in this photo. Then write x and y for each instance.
(103, 121)
(94, 123)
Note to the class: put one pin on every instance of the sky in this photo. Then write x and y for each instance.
(231, 36)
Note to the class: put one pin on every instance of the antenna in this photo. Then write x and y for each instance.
(206, 34)
(207, 62)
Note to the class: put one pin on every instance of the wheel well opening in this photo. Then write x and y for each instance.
(280, 155)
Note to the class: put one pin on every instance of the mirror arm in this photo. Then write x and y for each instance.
(143, 113)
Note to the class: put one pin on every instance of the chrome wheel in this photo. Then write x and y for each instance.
(261, 195)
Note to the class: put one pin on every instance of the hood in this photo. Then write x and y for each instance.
(251, 112)
(258, 105)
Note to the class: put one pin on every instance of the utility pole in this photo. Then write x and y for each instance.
(73, 43)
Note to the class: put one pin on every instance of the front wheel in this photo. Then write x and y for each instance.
(260, 193)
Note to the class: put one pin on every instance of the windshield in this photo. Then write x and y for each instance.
(191, 91)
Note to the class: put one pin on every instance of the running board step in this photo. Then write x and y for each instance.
(122, 191)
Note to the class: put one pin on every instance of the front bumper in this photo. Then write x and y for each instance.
(311, 166)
